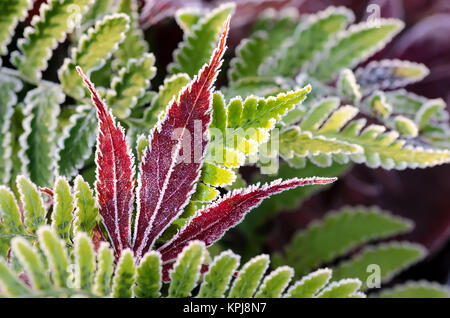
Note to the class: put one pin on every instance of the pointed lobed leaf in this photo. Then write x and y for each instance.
(390, 74)
(244, 286)
(12, 13)
(103, 275)
(77, 141)
(310, 284)
(62, 209)
(197, 45)
(115, 174)
(56, 254)
(8, 98)
(420, 289)
(345, 288)
(309, 38)
(148, 276)
(392, 258)
(212, 222)
(275, 283)
(186, 270)
(33, 206)
(353, 46)
(92, 52)
(163, 170)
(339, 233)
(428, 110)
(84, 262)
(51, 26)
(130, 85)
(218, 277)
(124, 276)
(186, 18)
(38, 145)
(86, 213)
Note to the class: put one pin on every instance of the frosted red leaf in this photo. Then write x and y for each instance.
(167, 176)
(213, 221)
(115, 174)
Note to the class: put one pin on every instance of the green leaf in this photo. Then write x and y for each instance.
(124, 276)
(8, 98)
(421, 289)
(391, 258)
(347, 86)
(96, 12)
(86, 213)
(9, 212)
(167, 92)
(134, 46)
(33, 206)
(406, 127)
(353, 46)
(148, 276)
(342, 289)
(77, 141)
(186, 270)
(56, 254)
(187, 17)
(218, 277)
(32, 263)
(339, 233)
(428, 111)
(275, 283)
(38, 152)
(12, 13)
(310, 284)
(310, 37)
(217, 176)
(390, 74)
(244, 286)
(56, 20)
(93, 50)
(62, 209)
(84, 262)
(9, 281)
(130, 85)
(105, 262)
(380, 148)
(197, 46)
(271, 31)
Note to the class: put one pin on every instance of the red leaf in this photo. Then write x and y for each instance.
(211, 223)
(171, 164)
(115, 174)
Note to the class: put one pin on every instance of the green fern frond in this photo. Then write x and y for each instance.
(380, 148)
(198, 44)
(77, 141)
(134, 46)
(38, 144)
(339, 233)
(93, 50)
(33, 205)
(310, 37)
(88, 273)
(354, 45)
(391, 259)
(62, 209)
(420, 289)
(130, 85)
(86, 212)
(55, 21)
(8, 89)
(12, 13)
